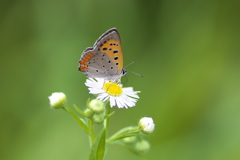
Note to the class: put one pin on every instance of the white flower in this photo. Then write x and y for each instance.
(57, 100)
(118, 96)
(146, 125)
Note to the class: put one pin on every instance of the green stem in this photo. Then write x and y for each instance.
(91, 130)
(106, 123)
(79, 121)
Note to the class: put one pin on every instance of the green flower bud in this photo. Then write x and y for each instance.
(98, 118)
(88, 113)
(57, 100)
(142, 146)
(129, 140)
(96, 106)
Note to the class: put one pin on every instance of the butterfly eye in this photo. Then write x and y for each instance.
(124, 72)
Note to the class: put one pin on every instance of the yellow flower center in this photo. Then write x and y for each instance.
(112, 89)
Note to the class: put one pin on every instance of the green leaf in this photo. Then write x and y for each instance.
(123, 136)
(98, 146)
(110, 114)
(88, 100)
(123, 133)
(78, 110)
(79, 121)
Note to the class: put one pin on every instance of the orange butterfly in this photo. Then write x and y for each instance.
(104, 59)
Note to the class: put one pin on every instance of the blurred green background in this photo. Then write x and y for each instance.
(188, 52)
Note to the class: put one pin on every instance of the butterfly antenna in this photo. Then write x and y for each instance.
(132, 71)
(130, 64)
(135, 73)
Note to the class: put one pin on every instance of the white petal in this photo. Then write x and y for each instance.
(129, 91)
(98, 83)
(112, 101)
(95, 91)
(91, 82)
(103, 96)
(119, 102)
(129, 101)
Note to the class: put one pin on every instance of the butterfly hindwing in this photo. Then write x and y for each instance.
(98, 66)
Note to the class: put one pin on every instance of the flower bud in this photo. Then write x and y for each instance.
(146, 125)
(129, 140)
(98, 118)
(88, 113)
(142, 146)
(96, 106)
(57, 100)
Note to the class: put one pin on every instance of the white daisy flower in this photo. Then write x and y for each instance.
(117, 95)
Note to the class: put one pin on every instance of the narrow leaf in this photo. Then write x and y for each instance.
(123, 133)
(98, 146)
(122, 136)
(78, 110)
(110, 114)
(79, 121)
(88, 102)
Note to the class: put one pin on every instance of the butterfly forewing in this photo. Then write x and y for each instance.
(110, 44)
(105, 59)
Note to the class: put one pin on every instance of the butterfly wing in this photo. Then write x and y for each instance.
(105, 59)
(110, 43)
(97, 64)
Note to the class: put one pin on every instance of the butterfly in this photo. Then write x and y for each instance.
(104, 59)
